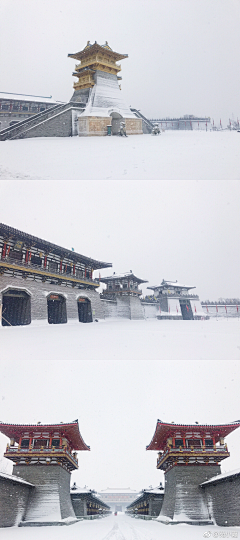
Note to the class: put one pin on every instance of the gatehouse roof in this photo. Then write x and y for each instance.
(70, 431)
(28, 239)
(164, 431)
(122, 277)
(171, 285)
(95, 48)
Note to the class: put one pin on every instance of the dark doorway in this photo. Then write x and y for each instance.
(16, 309)
(84, 310)
(57, 311)
(116, 119)
(186, 310)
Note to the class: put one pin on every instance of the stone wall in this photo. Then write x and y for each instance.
(80, 95)
(184, 499)
(50, 500)
(13, 501)
(56, 126)
(151, 310)
(133, 126)
(136, 308)
(155, 505)
(223, 500)
(93, 125)
(39, 291)
(126, 307)
(110, 308)
(79, 506)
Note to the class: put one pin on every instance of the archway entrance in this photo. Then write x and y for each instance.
(186, 310)
(116, 119)
(57, 311)
(16, 309)
(84, 310)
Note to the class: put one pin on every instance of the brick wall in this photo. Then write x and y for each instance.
(13, 502)
(93, 125)
(50, 500)
(40, 290)
(79, 505)
(57, 126)
(183, 495)
(223, 500)
(133, 126)
(155, 505)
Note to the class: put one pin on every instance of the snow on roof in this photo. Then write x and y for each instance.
(40, 243)
(150, 490)
(164, 430)
(122, 276)
(13, 478)
(27, 97)
(77, 489)
(222, 476)
(172, 284)
(68, 430)
(155, 491)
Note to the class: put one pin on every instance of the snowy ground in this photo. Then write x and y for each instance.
(117, 340)
(120, 527)
(190, 155)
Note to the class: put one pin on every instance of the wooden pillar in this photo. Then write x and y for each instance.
(74, 270)
(60, 269)
(85, 272)
(26, 256)
(4, 250)
(45, 261)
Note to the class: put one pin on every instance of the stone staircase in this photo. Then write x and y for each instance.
(56, 121)
(146, 124)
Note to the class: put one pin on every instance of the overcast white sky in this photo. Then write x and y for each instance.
(184, 55)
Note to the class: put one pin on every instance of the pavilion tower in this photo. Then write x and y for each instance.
(98, 87)
(189, 455)
(45, 455)
(123, 290)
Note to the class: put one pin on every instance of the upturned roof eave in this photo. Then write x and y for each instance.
(50, 247)
(118, 277)
(94, 48)
(75, 438)
(158, 441)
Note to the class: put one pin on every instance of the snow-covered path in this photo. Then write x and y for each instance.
(119, 527)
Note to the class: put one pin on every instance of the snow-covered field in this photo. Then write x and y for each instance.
(118, 340)
(190, 155)
(120, 527)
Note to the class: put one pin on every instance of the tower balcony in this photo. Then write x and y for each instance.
(96, 61)
(33, 270)
(42, 456)
(191, 456)
(121, 292)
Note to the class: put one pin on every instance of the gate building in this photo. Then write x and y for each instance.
(171, 300)
(44, 456)
(190, 456)
(45, 282)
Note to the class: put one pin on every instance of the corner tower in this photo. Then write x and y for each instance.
(188, 455)
(98, 87)
(45, 455)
